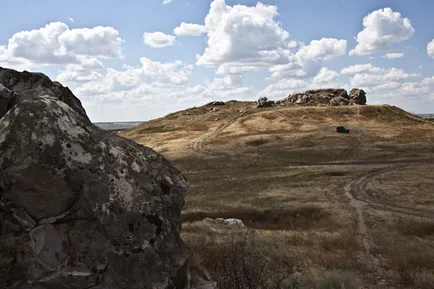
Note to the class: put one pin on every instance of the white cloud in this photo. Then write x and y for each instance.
(296, 68)
(57, 44)
(387, 86)
(362, 68)
(323, 49)
(71, 19)
(103, 42)
(189, 29)
(382, 28)
(368, 76)
(234, 70)
(282, 88)
(394, 55)
(130, 78)
(243, 35)
(158, 39)
(165, 2)
(430, 49)
(326, 76)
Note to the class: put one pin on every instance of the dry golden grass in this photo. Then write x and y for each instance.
(407, 245)
(300, 213)
(412, 186)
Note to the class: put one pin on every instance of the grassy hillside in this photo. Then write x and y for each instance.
(327, 210)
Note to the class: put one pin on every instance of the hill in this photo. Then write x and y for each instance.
(238, 128)
(328, 208)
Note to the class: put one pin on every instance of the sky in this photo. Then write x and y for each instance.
(141, 59)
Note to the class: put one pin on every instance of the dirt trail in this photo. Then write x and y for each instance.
(349, 151)
(361, 200)
(199, 147)
(359, 192)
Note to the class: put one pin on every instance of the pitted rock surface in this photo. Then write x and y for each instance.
(83, 208)
(27, 85)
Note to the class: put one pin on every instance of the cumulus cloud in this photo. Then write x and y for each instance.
(323, 49)
(362, 68)
(158, 39)
(368, 76)
(382, 28)
(282, 88)
(430, 49)
(394, 55)
(243, 35)
(57, 44)
(185, 29)
(326, 76)
(247, 38)
(103, 42)
(129, 78)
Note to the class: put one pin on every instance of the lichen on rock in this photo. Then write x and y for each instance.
(81, 207)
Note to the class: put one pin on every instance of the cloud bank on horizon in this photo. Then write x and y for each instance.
(235, 52)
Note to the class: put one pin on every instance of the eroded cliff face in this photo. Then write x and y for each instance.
(80, 207)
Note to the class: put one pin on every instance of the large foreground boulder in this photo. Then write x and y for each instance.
(82, 208)
(26, 85)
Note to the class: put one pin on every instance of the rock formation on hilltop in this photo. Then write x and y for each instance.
(264, 102)
(324, 97)
(80, 207)
(357, 96)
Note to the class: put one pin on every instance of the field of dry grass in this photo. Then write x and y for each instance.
(321, 209)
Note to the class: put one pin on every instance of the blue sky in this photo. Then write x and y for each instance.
(138, 60)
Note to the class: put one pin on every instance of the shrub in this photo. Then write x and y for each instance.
(248, 264)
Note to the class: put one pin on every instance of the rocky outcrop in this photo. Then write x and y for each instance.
(264, 102)
(324, 97)
(26, 85)
(214, 103)
(357, 96)
(80, 207)
(318, 97)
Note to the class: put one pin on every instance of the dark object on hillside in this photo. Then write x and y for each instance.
(325, 97)
(264, 102)
(357, 96)
(213, 103)
(342, 129)
(81, 207)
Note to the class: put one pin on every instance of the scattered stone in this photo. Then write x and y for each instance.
(214, 109)
(264, 102)
(242, 111)
(232, 223)
(79, 206)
